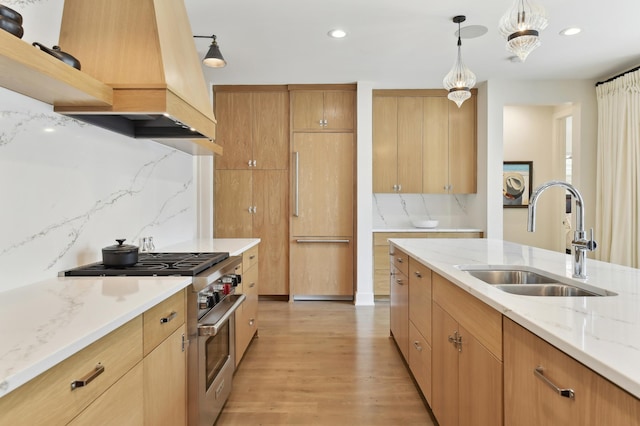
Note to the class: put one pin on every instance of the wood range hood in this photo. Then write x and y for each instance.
(144, 50)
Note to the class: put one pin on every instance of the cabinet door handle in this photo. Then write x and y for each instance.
(255, 163)
(98, 370)
(249, 163)
(335, 241)
(168, 318)
(417, 345)
(418, 274)
(296, 183)
(252, 285)
(399, 281)
(566, 393)
(251, 322)
(253, 256)
(399, 260)
(321, 122)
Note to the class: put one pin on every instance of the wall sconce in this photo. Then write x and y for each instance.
(213, 58)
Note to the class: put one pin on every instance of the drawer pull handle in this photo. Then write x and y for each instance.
(418, 274)
(566, 393)
(252, 285)
(88, 378)
(171, 316)
(251, 322)
(399, 259)
(253, 256)
(417, 345)
(399, 281)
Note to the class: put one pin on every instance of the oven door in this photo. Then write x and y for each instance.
(216, 358)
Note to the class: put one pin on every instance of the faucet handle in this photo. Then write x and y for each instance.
(591, 244)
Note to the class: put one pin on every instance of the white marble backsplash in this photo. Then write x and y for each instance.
(397, 210)
(67, 189)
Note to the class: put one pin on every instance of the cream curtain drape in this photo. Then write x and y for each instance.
(618, 171)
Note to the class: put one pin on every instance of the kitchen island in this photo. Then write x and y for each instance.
(602, 333)
(481, 354)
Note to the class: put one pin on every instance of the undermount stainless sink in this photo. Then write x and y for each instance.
(526, 281)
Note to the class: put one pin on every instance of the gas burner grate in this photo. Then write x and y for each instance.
(155, 264)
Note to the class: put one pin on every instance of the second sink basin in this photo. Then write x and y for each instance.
(527, 281)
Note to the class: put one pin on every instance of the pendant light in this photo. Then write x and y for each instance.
(521, 27)
(213, 58)
(460, 79)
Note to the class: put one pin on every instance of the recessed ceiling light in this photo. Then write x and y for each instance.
(337, 33)
(570, 31)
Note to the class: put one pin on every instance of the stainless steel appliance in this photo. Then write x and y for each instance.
(211, 303)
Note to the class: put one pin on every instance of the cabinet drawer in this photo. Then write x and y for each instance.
(420, 360)
(400, 259)
(529, 400)
(162, 320)
(249, 258)
(480, 319)
(49, 399)
(420, 297)
(121, 404)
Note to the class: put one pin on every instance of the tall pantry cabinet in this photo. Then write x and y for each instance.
(252, 177)
(322, 191)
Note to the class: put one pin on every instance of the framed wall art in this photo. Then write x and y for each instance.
(517, 177)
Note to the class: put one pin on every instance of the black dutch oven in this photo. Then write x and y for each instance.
(120, 254)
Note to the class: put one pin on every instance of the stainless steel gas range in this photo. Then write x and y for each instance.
(211, 303)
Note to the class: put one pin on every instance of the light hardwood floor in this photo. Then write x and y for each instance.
(323, 363)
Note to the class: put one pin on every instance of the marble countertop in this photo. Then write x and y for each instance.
(436, 229)
(601, 332)
(46, 322)
(235, 246)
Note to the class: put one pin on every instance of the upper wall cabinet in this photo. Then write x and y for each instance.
(423, 143)
(253, 129)
(322, 110)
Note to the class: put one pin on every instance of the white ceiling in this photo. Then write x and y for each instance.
(406, 43)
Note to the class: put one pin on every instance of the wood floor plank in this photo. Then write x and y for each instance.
(323, 363)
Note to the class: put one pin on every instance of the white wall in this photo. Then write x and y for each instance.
(581, 93)
(67, 189)
(529, 136)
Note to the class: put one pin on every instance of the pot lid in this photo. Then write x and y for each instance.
(121, 247)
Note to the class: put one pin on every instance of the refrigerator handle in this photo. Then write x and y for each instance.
(296, 162)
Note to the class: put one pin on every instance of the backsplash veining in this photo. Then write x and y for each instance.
(68, 189)
(396, 210)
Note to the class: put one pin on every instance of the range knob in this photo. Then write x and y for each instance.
(205, 300)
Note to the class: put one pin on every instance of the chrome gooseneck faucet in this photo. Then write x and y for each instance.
(580, 243)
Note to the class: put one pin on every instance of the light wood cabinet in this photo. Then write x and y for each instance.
(251, 198)
(247, 313)
(322, 268)
(531, 401)
(399, 300)
(422, 143)
(467, 358)
(254, 204)
(143, 380)
(381, 253)
(165, 387)
(121, 404)
(420, 352)
(254, 128)
(322, 110)
(322, 216)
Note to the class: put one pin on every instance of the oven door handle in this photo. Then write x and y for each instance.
(212, 329)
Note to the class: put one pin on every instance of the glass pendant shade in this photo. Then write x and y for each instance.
(459, 80)
(521, 27)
